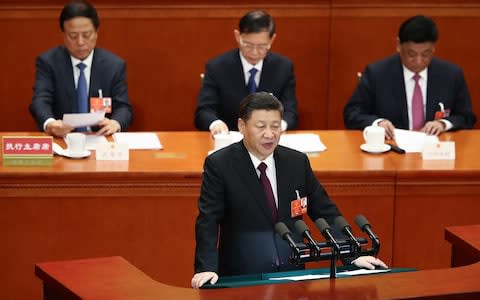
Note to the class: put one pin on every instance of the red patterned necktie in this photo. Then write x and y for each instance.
(267, 188)
(418, 116)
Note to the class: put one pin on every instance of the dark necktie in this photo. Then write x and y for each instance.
(418, 116)
(251, 85)
(82, 98)
(267, 188)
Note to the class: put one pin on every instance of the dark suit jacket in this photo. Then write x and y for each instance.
(224, 88)
(381, 94)
(54, 91)
(232, 203)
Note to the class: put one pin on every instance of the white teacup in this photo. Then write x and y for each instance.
(374, 136)
(222, 140)
(76, 143)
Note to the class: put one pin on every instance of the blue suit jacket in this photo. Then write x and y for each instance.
(381, 94)
(233, 204)
(224, 88)
(54, 90)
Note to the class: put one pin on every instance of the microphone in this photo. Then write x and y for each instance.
(341, 223)
(363, 223)
(326, 231)
(302, 228)
(285, 233)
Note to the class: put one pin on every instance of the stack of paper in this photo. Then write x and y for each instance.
(138, 140)
(83, 119)
(412, 141)
(303, 142)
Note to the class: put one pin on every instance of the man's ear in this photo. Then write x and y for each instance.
(241, 125)
(236, 34)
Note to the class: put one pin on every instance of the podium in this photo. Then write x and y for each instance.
(111, 278)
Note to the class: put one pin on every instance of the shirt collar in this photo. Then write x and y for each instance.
(87, 61)
(247, 66)
(268, 161)
(407, 74)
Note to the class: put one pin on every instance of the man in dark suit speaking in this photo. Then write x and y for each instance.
(235, 225)
(233, 75)
(412, 89)
(67, 76)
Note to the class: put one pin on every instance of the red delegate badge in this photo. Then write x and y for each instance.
(298, 207)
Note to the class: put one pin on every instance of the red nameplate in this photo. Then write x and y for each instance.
(27, 146)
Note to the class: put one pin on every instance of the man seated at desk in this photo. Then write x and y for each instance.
(246, 188)
(412, 89)
(67, 75)
(233, 75)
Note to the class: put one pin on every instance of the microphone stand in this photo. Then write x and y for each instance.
(333, 263)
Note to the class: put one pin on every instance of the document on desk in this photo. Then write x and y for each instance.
(339, 274)
(138, 140)
(412, 141)
(303, 142)
(83, 119)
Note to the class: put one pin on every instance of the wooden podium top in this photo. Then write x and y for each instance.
(184, 153)
(115, 278)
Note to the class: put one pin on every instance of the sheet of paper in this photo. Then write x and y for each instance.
(83, 119)
(320, 276)
(364, 272)
(302, 277)
(412, 141)
(303, 142)
(138, 140)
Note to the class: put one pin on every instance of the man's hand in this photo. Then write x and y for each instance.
(220, 127)
(389, 128)
(434, 127)
(201, 278)
(369, 262)
(58, 128)
(108, 127)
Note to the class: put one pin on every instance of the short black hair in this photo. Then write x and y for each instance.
(257, 21)
(259, 101)
(79, 8)
(418, 29)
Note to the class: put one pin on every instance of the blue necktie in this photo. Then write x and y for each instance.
(251, 85)
(82, 98)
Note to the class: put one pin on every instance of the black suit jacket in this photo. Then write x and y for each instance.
(224, 88)
(54, 91)
(233, 211)
(381, 94)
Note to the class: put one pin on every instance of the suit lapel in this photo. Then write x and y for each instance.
(266, 76)
(249, 176)
(283, 192)
(399, 92)
(67, 75)
(238, 74)
(97, 62)
(432, 97)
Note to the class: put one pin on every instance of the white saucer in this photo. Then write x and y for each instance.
(85, 153)
(380, 149)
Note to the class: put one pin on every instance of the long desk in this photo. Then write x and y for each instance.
(144, 210)
(112, 278)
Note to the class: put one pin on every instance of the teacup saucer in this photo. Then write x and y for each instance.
(83, 154)
(379, 149)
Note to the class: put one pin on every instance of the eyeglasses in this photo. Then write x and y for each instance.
(261, 48)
